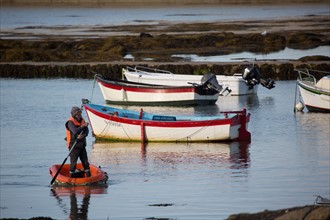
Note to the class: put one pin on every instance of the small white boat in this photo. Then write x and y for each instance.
(239, 84)
(322, 201)
(315, 94)
(125, 125)
(132, 93)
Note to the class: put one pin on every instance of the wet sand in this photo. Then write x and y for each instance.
(317, 24)
(162, 40)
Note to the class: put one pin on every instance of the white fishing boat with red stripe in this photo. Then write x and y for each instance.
(315, 94)
(131, 93)
(239, 84)
(116, 124)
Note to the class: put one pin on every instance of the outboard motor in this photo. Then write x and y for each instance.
(268, 83)
(252, 78)
(211, 82)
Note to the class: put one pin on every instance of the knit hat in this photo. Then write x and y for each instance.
(75, 110)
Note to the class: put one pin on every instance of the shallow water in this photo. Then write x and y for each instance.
(286, 54)
(286, 163)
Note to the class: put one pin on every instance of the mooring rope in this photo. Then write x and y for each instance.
(106, 126)
(93, 87)
(126, 132)
(194, 133)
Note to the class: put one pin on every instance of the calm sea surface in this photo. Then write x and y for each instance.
(34, 16)
(285, 165)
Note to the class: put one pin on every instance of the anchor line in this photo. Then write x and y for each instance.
(107, 127)
(194, 133)
(93, 87)
(188, 137)
(125, 132)
(104, 129)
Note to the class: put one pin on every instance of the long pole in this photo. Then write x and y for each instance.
(74, 144)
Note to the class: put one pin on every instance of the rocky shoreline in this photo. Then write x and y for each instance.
(308, 212)
(276, 71)
(30, 53)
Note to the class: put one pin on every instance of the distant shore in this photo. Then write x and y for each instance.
(159, 2)
(77, 52)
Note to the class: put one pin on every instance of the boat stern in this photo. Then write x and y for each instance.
(244, 134)
(239, 126)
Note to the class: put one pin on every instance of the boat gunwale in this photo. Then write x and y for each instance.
(233, 81)
(137, 87)
(144, 69)
(312, 88)
(132, 84)
(156, 76)
(160, 72)
(308, 81)
(178, 103)
(233, 120)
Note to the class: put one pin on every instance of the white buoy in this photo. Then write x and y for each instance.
(300, 106)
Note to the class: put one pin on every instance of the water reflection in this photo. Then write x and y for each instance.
(229, 103)
(77, 210)
(239, 155)
(311, 128)
(171, 157)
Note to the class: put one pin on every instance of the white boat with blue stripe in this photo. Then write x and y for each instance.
(116, 124)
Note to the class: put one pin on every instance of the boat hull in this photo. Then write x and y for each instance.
(98, 177)
(109, 124)
(236, 83)
(314, 99)
(128, 93)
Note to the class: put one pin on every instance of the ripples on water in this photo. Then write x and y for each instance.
(286, 163)
(21, 16)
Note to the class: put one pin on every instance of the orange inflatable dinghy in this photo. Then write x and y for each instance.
(98, 176)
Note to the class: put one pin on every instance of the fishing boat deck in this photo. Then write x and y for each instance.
(149, 116)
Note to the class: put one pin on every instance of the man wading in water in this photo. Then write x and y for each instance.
(77, 129)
